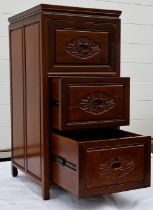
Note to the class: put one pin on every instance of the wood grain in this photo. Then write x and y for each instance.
(33, 99)
(17, 99)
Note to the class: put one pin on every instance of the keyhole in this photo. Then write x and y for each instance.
(83, 47)
(116, 165)
(97, 102)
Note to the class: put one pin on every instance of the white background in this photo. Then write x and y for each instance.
(136, 57)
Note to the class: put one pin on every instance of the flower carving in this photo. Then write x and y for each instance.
(97, 103)
(82, 47)
(116, 167)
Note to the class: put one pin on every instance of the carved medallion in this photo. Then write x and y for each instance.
(97, 103)
(82, 47)
(116, 167)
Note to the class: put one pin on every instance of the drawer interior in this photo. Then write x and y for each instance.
(101, 161)
(97, 134)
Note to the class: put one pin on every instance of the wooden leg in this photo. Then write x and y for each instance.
(45, 193)
(14, 171)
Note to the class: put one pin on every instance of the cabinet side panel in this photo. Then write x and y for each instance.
(33, 146)
(17, 99)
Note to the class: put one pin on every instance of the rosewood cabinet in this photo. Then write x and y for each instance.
(68, 102)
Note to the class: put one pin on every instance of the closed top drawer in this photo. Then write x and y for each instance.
(77, 45)
(89, 102)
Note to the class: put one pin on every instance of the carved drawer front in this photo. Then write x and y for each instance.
(84, 47)
(114, 165)
(100, 162)
(89, 102)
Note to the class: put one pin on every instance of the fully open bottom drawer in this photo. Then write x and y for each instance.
(100, 162)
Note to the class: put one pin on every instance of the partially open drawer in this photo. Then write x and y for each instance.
(89, 102)
(100, 162)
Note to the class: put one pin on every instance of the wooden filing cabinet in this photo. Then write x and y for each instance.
(68, 101)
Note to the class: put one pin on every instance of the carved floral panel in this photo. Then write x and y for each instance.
(116, 167)
(83, 47)
(97, 103)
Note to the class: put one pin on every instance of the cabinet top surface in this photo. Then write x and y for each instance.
(46, 8)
